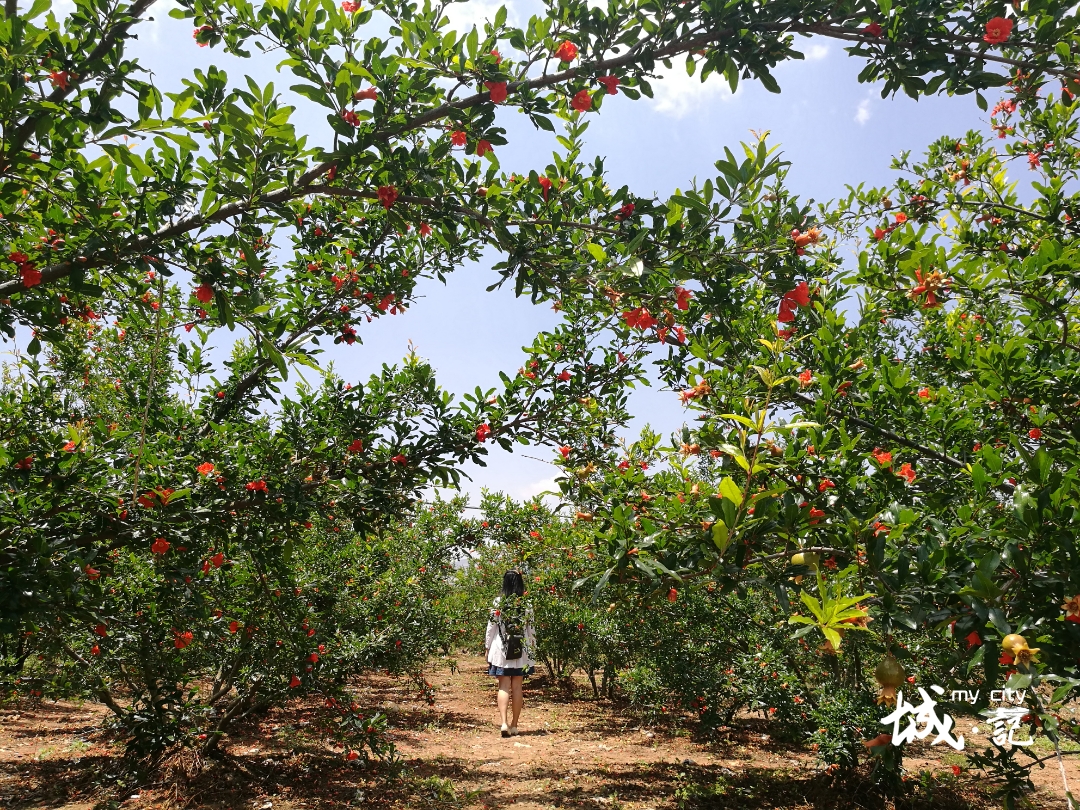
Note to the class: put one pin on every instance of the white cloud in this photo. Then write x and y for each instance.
(535, 488)
(463, 16)
(862, 113)
(816, 53)
(160, 17)
(62, 8)
(676, 93)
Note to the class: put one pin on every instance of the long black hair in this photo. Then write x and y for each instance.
(513, 583)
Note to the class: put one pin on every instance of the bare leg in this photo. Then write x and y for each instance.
(504, 697)
(519, 698)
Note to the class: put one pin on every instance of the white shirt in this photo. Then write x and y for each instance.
(493, 642)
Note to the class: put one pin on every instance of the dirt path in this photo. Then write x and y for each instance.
(571, 753)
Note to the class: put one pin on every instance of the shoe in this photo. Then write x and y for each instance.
(505, 731)
(513, 731)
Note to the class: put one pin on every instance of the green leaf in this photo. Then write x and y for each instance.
(39, 7)
(596, 252)
(813, 605)
(832, 636)
(1018, 680)
(316, 94)
(720, 536)
(740, 419)
(1062, 691)
(730, 490)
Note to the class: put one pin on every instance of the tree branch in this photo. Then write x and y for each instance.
(115, 34)
(303, 183)
(855, 36)
(929, 452)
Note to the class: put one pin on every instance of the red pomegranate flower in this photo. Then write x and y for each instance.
(567, 51)
(101, 630)
(1035, 433)
(882, 457)
(802, 240)
(31, 276)
(349, 7)
(367, 94)
(799, 296)
(564, 376)
(205, 293)
(205, 468)
(906, 472)
(295, 682)
(682, 298)
(400, 459)
(928, 285)
(483, 147)
(806, 378)
(639, 319)
(498, 91)
(482, 433)
(874, 29)
(582, 101)
(387, 196)
(160, 546)
(91, 573)
(350, 117)
(565, 451)
(181, 640)
(1072, 609)
(611, 84)
(998, 30)
(458, 138)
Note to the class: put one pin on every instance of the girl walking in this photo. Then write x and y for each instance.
(510, 643)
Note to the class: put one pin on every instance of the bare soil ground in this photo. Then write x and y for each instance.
(572, 753)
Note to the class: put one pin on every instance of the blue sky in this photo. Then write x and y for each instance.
(834, 131)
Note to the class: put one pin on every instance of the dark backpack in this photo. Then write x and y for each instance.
(511, 621)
